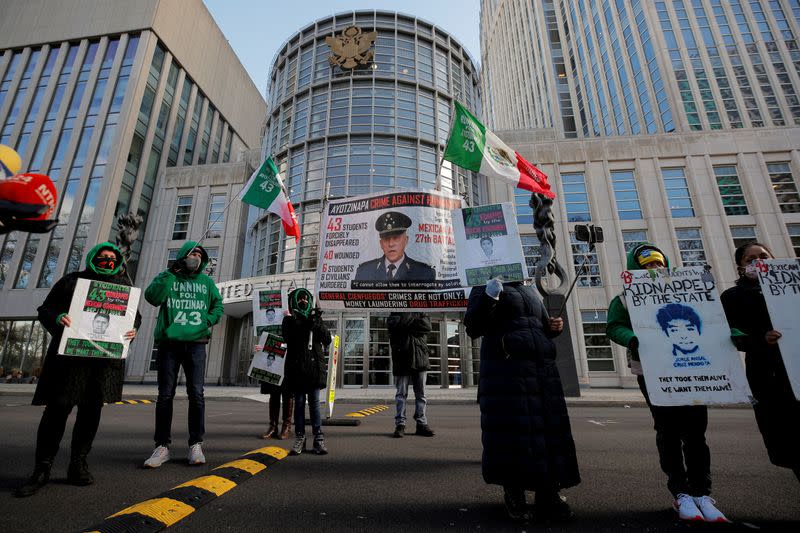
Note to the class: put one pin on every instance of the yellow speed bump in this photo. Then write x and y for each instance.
(165, 510)
(368, 411)
(217, 485)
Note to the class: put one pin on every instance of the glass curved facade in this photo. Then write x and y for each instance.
(344, 133)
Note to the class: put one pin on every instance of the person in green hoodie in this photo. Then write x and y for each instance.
(189, 305)
(66, 382)
(680, 430)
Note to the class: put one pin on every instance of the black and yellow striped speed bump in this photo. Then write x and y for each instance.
(126, 402)
(177, 503)
(368, 411)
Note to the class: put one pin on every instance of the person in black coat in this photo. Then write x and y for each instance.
(305, 369)
(526, 435)
(410, 362)
(777, 410)
(69, 381)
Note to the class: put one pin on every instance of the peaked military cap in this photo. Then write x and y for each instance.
(392, 223)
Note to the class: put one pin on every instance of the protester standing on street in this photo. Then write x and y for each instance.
(407, 333)
(680, 430)
(777, 410)
(189, 305)
(526, 434)
(68, 381)
(307, 340)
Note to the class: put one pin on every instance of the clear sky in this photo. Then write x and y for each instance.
(256, 29)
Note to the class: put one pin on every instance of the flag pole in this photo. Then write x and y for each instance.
(438, 185)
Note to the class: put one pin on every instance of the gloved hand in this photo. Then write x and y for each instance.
(633, 346)
(177, 266)
(493, 288)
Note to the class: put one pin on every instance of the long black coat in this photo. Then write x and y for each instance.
(526, 435)
(776, 409)
(75, 380)
(305, 369)
(407, 333)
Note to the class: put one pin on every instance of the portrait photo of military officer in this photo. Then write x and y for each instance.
(394, 265)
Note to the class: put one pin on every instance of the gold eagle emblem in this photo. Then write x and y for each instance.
(351, 48)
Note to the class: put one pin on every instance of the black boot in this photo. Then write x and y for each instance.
(78, 472)
(39, 478)
(516, 507)
(399, 431)
(424, 430)
(550, 505)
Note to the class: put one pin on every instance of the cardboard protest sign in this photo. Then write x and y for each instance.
(392, 251)
(333, 364)
(488, 244)
(269, 361)
(102, 313)
(780, 284)
(268, 311)
(684, 338)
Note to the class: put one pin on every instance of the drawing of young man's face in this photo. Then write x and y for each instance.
(99, 324)
(488, 246)
(270, 315)
(683, 334)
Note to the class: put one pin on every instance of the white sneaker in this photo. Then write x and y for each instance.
(686, 508)
(196, 456)
(709, 510)
(159, 457)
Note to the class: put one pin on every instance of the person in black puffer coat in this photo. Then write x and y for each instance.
(526, 434)
(776, 408)
(306, 369)
(69, 381)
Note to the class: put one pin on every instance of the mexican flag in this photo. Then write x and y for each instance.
(264, 189)
(475, 148)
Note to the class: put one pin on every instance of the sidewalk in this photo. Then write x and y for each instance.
(598, 397)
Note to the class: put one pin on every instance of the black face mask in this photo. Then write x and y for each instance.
(105, 264)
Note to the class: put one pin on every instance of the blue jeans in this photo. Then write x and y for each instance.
(417, 379)
(300, 413)
(171, 356)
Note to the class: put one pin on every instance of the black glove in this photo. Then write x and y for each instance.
(741, 342)
(633, 346)
(178, 266)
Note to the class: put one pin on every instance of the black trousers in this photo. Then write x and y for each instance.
(682, 449)
(53, 424)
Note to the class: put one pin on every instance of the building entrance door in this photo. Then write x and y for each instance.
(353, 353)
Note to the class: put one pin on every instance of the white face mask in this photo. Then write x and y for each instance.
(192, 263)
(751, 271)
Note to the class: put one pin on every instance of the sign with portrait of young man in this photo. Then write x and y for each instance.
(269, 306)
(269, 361)
(684, 339)
(393, 251)
(102, 313)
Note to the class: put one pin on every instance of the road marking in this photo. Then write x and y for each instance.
(218, 414)
(603, 423)
(129, 402)
(179, 502)
(368, 411)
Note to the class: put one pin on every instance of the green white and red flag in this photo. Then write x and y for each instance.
(265, 189)
(473, 147)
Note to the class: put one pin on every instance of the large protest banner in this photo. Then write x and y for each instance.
(780, 284)
(684, 338)
(269, 361)
(488, 244)
(392, 251)
(101, 314)
(268, 311)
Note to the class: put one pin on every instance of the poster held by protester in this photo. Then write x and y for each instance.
(684, 338)
(393, 251)
(333, 364)
(488, 244)
(269, 360)
(268, 311)
(780, 284)
(102, 313)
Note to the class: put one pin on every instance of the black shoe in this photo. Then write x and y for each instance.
(424, 430)
(78, 472)
(551, 507)
(39, 478)
(516, 507)
(399, 431)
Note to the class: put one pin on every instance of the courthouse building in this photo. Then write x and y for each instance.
(671, 121)
(104, 97)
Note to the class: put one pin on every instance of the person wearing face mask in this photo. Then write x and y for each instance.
(777, 410)
(69, 381)
(189, 305)
(307, 340)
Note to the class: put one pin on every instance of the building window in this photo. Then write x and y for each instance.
(598, 348)
(589, 275)
(216, 215)
(576, 201)
(742, 235)
(524, 211)
(532, 251)
(181, 227)
(690, 246)
(794, 235)
(626, 196)
(212, 268)
(730, 190)
(633, 237)
(172, 256)
(680, 201)
(785, 187)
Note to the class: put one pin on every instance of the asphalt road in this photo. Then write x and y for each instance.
(371, 482)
